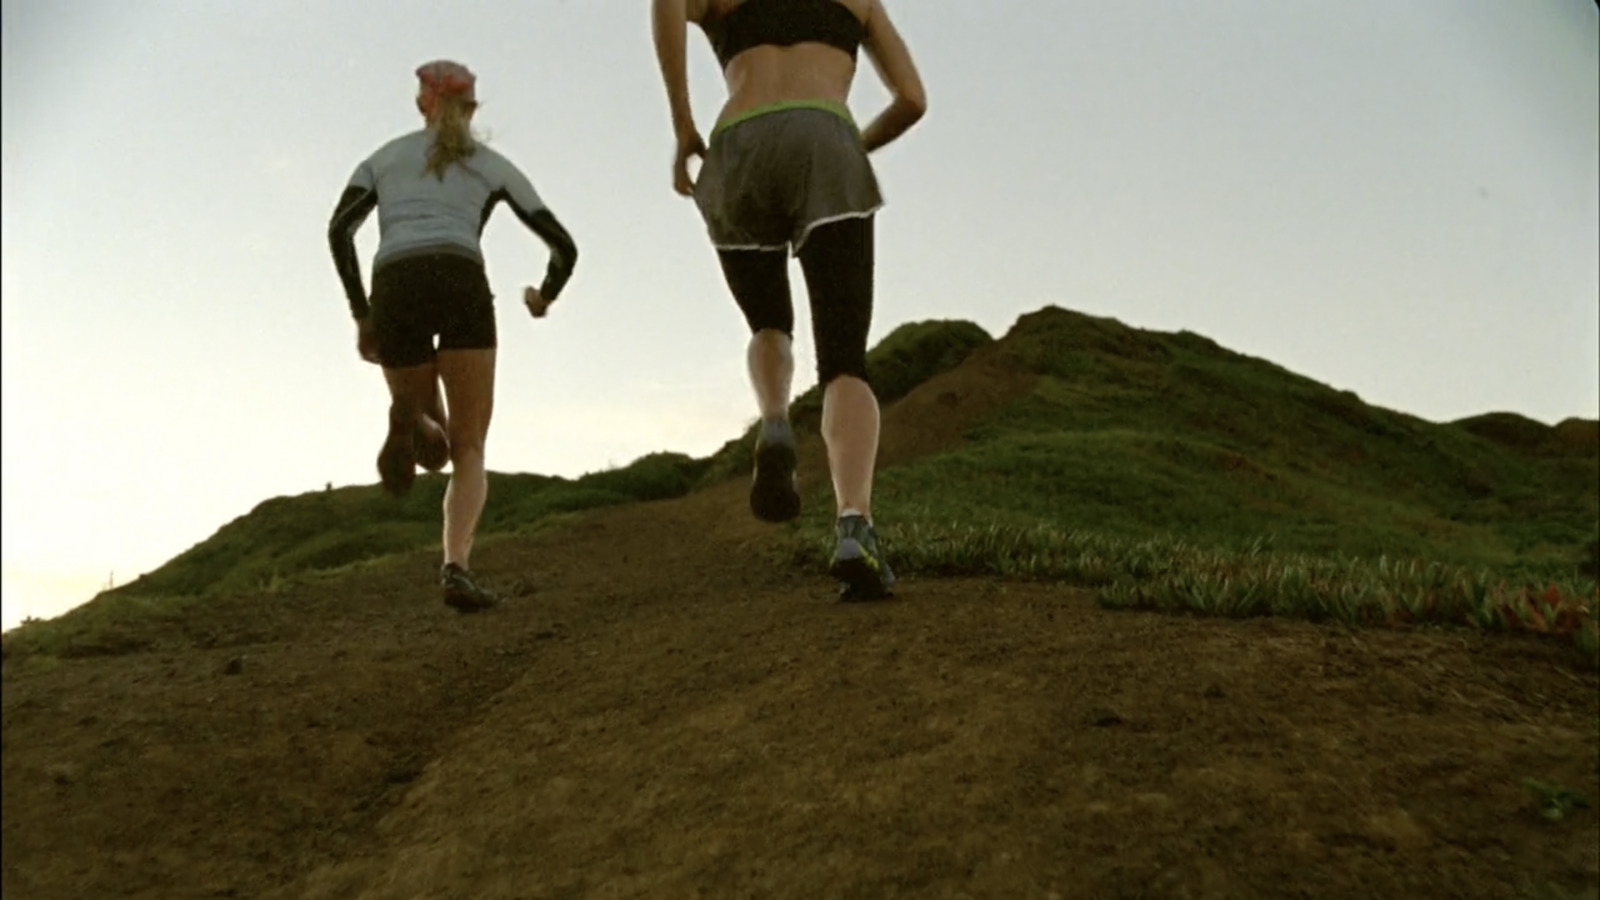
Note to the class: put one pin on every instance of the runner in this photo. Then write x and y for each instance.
(434, 189)
(787, 170)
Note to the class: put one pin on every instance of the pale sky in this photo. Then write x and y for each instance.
(1395, 198)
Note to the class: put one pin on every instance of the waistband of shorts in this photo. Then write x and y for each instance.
(832, 106)
(448, 251)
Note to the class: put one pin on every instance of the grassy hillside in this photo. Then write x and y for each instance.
(328, 530)
(1131, 433)
(1161, 467)
(323, 531)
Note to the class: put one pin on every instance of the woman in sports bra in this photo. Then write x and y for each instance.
(786, 170)
(434, 189)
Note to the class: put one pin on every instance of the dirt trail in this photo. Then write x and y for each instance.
(664, 712)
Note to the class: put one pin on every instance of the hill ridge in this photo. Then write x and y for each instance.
(671, 703)
(1188, 407)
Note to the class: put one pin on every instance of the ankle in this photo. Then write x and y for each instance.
(849, 511)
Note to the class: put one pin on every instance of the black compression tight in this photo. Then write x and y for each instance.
(836, 260)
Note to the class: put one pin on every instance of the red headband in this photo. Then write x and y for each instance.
(443, 78)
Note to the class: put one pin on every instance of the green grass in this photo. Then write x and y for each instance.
(1133, 433)
(1239, 581)
(1173, 474)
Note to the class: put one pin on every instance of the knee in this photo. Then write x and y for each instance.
(769, 336)
(466, 449)
(847, 382)
(771, 340)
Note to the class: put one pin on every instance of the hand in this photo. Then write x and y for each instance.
(689, 144)
(534, 299)
(366, 340)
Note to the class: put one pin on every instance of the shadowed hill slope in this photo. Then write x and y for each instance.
(664, 711)
(669, 702)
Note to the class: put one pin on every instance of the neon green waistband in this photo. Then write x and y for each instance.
(833, 106)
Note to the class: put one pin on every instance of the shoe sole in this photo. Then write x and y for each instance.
(432, 455)
(773, 495)
(861, 575)
(463, 600)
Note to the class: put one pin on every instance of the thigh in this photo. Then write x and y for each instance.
(837, 260)
(759, 280)
(411, 387)
(400, 300)
(468, 377)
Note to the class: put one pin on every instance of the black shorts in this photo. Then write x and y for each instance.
(435, 295)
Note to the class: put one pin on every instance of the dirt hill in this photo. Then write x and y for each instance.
(667, 706)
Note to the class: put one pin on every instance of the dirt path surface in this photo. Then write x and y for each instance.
(663, 711)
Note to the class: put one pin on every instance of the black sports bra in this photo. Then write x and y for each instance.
(784, 23)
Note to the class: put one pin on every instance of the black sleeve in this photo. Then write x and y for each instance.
(563, 252)
(354, 207)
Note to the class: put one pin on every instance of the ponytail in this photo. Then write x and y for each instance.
(453, 140)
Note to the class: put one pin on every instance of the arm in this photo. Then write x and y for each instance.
(519, 194)
(892, 59)
(354, 207)
(670, 26)
(563, 251)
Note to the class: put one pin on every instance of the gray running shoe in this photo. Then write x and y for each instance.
(775, 489)
(461, 594)
(858, 564)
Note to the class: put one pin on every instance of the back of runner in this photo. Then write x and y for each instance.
(431, 315)
(787, 171)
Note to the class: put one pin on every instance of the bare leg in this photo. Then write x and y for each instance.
(759, 280)
(850, 429)
(434, 408)
(771, 360)
(410, 390)
(837, 260)
(433, 439)
(468, 377)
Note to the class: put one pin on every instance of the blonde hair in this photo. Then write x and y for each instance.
(453, 139)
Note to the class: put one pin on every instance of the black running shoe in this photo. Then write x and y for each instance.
(461, 594)
(775, 488)
(397, 461)
(857, 562)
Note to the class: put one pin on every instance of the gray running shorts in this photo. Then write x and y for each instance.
(774, 173)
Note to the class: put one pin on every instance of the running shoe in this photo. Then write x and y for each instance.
(858, 564)
(397, 461)
(432, 447)
(461, 594)
(775, 488)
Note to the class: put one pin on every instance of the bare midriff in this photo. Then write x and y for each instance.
(768, 77)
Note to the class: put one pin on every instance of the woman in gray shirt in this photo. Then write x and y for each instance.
(431, 315)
